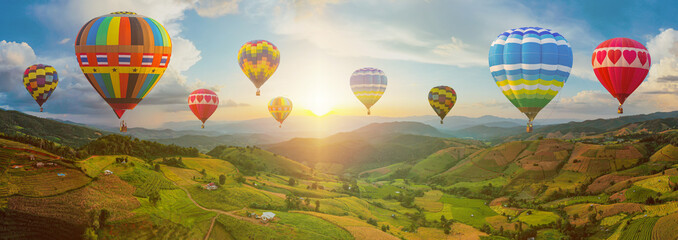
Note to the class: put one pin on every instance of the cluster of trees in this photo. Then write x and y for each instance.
(124, 145)
(174, 162)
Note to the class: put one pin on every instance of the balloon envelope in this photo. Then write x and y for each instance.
(621, 65)
(40, 81)
(203, 103)
(258, 59)
(368, 85)
(442, 99)
(123, 55)
(280, 108)
(530, 65)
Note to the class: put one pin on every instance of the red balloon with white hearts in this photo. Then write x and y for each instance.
(203, 103)
(621, 65)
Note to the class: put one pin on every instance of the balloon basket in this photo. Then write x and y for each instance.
(203, 126)
(620, 110)
(441, 121)
(40, 109)
(258, 92)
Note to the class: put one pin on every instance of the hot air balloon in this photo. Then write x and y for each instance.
(258, 59)
(368, 84)
(530, 65)
(123, 55)
(40, 81)
(203, 103)
(442, 99)
(280, 108)
(621, 65)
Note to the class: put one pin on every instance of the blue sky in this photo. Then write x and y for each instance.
(418, 44)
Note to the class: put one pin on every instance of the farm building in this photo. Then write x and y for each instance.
(210, 186)
(17, 166)
(267, 216)
(108, 172)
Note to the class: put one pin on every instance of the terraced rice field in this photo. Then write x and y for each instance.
(640, 229)
(45, 182)
(665, 228)
(358, 229)
(430, 201)
(659, 184)
(659, 210)
(181, 176)
(612, 220)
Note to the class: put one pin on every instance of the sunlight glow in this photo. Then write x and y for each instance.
(320, 106)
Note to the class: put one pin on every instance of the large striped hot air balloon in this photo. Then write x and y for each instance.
(368, 85)
(621, 65)
(203, 103)
(258, 59)
(123, 55)
(442, 99)
(280, 108)
(530, 65)
(40, 81)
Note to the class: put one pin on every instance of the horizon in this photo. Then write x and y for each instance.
(316, 64)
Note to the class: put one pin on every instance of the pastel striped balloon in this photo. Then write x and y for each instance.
(203, 103)
(368, 85)
(530, 65)
(280, 108)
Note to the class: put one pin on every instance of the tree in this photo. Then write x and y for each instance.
(103, 217)
(203, 172)
(157, 167)
(292, 182)
(307, 201)
(317, 205)
(90, 234)
(222, 179)
(154, 197)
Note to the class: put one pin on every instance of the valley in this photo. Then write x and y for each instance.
(395, 180)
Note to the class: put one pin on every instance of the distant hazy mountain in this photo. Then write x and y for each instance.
(207, 143)
(373, 146)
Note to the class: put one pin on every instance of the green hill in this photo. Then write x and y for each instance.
(207, 143)
(252, 159)
(17, 123)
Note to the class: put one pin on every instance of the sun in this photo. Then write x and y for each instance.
(320, 106)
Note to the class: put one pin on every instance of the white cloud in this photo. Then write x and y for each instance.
(216, 8)
(64, 41)
(661, 87)
(14, 59)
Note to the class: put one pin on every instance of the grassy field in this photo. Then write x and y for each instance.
(94, 166)
(232, 198)
(213, 167)
(668, 153)
(549, 234)
(600, 199)
(640, 229)
(468, 211)
(638, 194)
(538, 218)
(175, 207)
(145, 180)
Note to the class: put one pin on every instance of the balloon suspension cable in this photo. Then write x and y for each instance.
(258, 92)
(620, 110)
(40, 109)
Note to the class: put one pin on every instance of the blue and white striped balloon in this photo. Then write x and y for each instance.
(530, 65)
